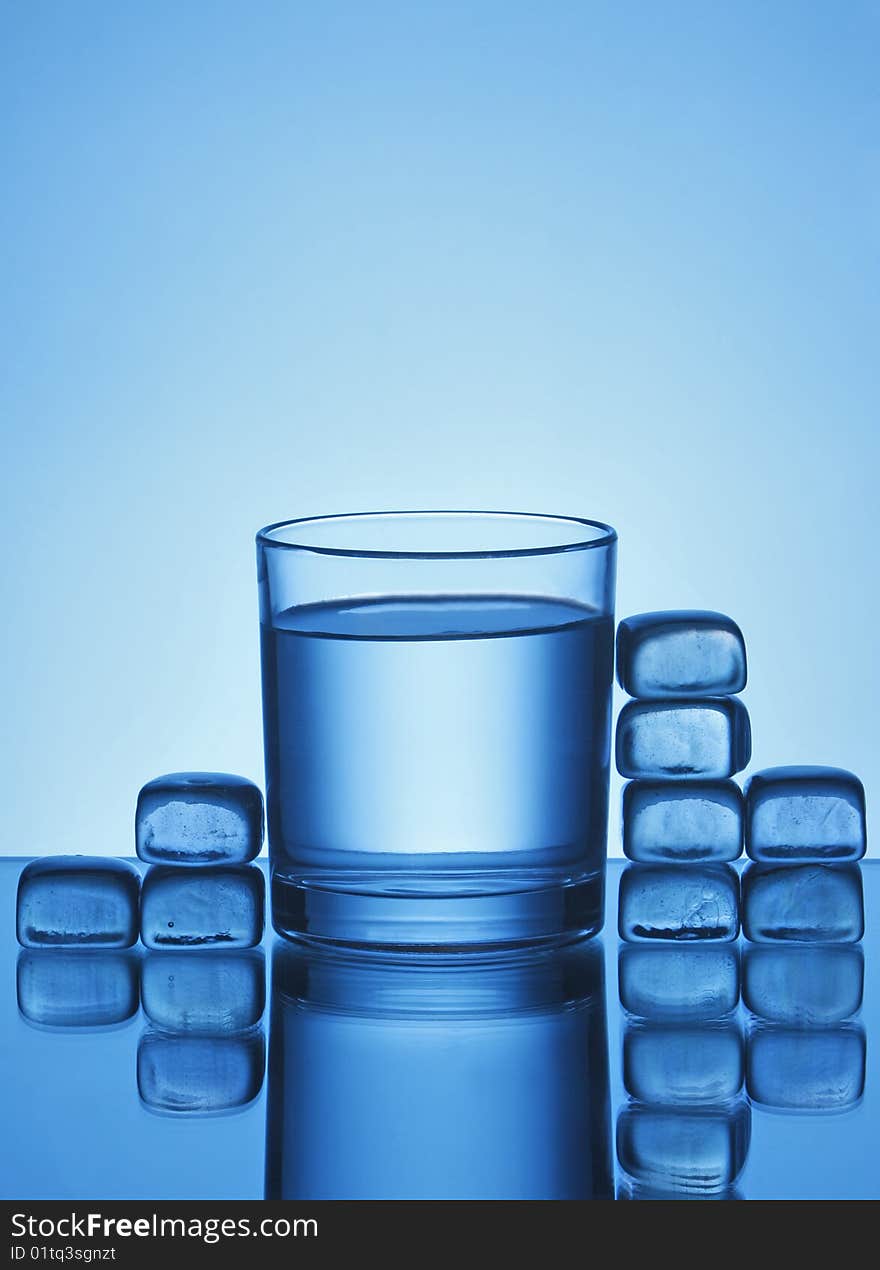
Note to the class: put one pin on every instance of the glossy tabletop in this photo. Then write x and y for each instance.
(421, 1078)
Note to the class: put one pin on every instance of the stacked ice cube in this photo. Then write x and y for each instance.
(74, 901)
(680, 739)
(199, 831)
(683, 736)
(804, 833)
(803, 917)
(204, 1050)
(685, 1126)
(200, 909)
(77, 919)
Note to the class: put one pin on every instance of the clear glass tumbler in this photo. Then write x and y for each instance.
(436, 709)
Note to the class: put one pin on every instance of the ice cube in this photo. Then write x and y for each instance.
(801, 985)
(682, 1064)
(677, 983)
(200, 1073)
(661, 739)
(81, 988)
(198, 818)
(700, 1149)
(665, 821)
(204, 908)
(669, 902)
(805, 813)
(68, 901)
(804, 903)
(806, 1069)
(680, 653)
(213, 993)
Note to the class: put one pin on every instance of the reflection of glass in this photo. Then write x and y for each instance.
(436, 705)
(801, 982)
(407, 1078)
(82, 988)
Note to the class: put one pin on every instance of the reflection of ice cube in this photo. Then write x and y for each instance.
(680, 653)
(213, 993)
(709, 738)
(701, 1149)
(669, 902)
(202, 908)
(666, 821)
(199, 818)
(805, 813)
(629, 1190)
(806, 903)
(75, 901)
(807, 986)
(200, 1073)
(685, 983)
(679, 1064)
(77, 988)
(806, 1069)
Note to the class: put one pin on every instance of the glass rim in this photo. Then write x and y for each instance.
(606, 536)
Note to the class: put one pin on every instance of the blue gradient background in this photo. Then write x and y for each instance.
(258, 261)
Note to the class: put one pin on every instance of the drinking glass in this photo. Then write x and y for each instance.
(436, 710)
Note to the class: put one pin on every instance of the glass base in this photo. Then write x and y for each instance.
(437, 911)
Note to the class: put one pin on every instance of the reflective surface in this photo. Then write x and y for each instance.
(471, 1079)
(433, 1077)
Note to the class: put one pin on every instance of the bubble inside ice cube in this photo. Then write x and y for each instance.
(803, 903)
(204, 908)
(77, 901)
(81, 987)
(805, 813)
(200, 1073)
(199, 818)
(679, 983)
(807, 986)
(662, 739)
(667, 902)
(213, 993)
(806, 1069)
(667, 821)
(679, 654)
